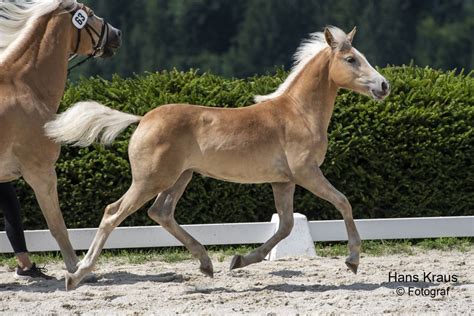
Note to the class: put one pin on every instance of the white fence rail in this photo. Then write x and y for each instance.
(254, 233)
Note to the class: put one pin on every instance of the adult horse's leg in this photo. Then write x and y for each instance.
(313, 180)
(283, 194)
(44, 184)
(162, 211)
(115, 213)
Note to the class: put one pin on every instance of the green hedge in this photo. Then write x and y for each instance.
(408, 156)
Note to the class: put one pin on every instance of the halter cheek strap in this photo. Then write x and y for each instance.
(98, 46)
(102, 37)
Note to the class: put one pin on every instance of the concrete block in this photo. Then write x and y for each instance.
(298, 243)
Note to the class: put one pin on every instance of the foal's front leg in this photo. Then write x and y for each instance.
(283, 194)
(313, 180)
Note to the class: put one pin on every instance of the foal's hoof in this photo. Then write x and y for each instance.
(352, 266)
(207, 269)
(237, 262)
(70, 282)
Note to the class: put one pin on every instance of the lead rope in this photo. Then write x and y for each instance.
(79, 63)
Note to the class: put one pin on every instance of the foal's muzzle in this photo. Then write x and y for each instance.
(381, 89)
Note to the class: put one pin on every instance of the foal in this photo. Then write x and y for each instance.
(281, 140)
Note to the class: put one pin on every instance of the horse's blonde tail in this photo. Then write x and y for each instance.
(85, 122)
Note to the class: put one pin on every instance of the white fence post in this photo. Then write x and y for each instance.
(298, 243)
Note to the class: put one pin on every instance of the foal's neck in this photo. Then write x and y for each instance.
(313, 91)
(41, 60)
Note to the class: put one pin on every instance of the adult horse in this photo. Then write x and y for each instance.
(37, 38)
(281, 140)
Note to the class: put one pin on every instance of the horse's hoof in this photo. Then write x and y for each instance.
(237, 262)
(352, 266)
(70, 283)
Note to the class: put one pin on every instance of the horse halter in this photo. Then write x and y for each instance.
(101, 38)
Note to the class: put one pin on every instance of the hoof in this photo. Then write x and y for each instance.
(207, 271)
(206, 266)
(237, 262)
(352, 266)
(70, 283)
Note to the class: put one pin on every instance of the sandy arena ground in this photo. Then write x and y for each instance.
(285, 287)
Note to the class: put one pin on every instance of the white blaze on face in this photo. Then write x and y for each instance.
(375, 83)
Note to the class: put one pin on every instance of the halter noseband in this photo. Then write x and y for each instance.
(98, 46)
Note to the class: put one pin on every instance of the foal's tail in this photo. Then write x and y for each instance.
(85, 122)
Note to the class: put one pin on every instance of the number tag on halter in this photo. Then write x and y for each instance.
(79, 19)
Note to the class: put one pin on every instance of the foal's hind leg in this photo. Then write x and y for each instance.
(283, 194)
(162, 211)
(114, 214)
(313, 180)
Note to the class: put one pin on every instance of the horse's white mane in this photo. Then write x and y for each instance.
(307, 50)
(17, 21)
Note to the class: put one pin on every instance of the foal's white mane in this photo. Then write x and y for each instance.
(307, 50)
(17, 20)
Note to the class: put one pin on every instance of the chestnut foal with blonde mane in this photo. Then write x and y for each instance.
(281, 140)
(36, 40)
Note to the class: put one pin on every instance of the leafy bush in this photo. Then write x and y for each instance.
(408, 156)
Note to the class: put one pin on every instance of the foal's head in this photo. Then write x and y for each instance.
(350, 69)
(92, 34)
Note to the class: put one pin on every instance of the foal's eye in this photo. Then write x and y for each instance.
(350, 60)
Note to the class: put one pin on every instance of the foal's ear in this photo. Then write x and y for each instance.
(351, 34)
(330, 38)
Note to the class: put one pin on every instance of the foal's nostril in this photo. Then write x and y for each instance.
(384, 86)
(119, 33)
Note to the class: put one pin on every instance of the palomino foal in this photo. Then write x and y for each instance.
(36, 40)
(281, 140)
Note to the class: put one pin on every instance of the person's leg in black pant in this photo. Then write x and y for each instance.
(10, 206)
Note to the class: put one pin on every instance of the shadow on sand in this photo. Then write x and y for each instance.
(316, 288)
(124, 278)
(106, 279)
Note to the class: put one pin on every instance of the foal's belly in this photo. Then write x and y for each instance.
(243, 178)
(240, 170)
